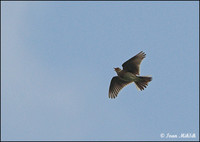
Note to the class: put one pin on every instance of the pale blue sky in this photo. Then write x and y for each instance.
(58, 59)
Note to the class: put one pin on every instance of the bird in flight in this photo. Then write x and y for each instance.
(129, 74)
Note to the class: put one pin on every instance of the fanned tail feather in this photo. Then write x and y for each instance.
(142, 82)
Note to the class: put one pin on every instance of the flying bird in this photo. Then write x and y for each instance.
(129, 74)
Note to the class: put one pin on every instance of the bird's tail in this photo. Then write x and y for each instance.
(142, 82)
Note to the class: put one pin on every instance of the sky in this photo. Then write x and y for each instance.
(57, 61)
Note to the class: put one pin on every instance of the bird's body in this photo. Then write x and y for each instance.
(129, 75)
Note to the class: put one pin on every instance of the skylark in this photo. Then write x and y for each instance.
(129, 74)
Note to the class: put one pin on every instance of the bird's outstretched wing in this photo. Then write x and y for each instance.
(116, 85)
(133, 64)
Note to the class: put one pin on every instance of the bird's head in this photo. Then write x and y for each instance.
(117, 70)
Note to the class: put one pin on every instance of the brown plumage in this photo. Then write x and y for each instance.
(131, 69)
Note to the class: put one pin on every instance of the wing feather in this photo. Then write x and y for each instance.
(133, 64)
(116, 85)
